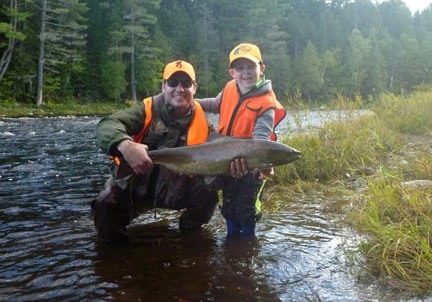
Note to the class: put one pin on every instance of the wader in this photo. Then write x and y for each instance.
(126, 198)
(127, 195)
(241, 206)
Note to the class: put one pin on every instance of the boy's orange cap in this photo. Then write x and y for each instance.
(245, 50)
(176, 66)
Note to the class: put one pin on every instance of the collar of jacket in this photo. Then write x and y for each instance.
(167, 116)
(263, 87)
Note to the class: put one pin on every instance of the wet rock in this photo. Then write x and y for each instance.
(418, 184)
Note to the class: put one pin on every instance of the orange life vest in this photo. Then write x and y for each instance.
(198, 129)
(238, 119)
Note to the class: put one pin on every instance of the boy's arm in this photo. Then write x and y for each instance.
(264, 125)
(262, 130)
(211, 105)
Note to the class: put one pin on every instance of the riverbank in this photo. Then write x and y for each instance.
(49, 109)
(382, 164)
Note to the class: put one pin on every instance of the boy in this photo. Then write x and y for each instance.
(247, 108)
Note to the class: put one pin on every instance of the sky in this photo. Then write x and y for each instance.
(415, 5)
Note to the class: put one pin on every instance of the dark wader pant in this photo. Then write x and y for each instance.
(241, 202)
(123, 200)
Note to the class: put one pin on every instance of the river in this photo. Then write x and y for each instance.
(51, 168)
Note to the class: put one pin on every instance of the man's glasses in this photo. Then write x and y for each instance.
(173, 83)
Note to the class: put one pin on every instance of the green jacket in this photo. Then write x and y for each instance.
(166, 131)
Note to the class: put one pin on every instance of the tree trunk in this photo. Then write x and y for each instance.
(132, 70)
(132, 60)
(7, 54)
(39, 100)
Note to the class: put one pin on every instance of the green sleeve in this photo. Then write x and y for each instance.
(119, 126)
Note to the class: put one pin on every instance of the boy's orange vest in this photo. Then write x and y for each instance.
(238, 119)
(197, 132)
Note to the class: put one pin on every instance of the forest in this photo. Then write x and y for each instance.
(112, 50)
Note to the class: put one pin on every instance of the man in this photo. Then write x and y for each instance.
(170, 119)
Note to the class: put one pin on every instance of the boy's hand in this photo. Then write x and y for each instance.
(264, 173)
(238, 167)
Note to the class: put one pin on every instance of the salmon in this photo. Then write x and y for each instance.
(213, 158)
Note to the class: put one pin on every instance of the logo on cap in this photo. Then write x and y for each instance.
(242, 49)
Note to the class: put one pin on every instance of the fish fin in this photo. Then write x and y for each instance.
(214, 136)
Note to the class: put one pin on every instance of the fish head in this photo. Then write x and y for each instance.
(279, 154)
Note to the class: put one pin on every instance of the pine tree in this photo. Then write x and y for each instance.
(138, 17)
(11, 32)
(62, 41)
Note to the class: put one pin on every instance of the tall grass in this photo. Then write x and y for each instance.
(399, 224)
(339, 149)
(411, 115)
(397, 221)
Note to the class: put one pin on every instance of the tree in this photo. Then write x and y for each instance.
(12, 34)
(138, 17)
(308, 71)
(62, 41)
(396, 17)
(273, 42)
(359, 51)
(39, 98)
(208, 48)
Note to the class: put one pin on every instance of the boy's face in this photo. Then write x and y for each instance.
(246, 73)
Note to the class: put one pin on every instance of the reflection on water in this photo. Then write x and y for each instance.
(50, 169)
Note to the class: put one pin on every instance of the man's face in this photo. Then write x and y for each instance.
(179, 90)
(246, 73)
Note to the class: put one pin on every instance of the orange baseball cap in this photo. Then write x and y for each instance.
(247, 51)
(176, 66)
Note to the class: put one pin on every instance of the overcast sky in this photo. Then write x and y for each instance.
(415, 5)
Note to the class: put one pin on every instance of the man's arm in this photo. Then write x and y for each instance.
(211, 105)
(119, 126)
(114, 135)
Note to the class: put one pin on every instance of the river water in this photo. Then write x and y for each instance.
(51, 168)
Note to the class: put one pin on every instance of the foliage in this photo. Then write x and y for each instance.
(316, 49)
(112, 75)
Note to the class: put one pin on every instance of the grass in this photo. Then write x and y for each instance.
(333, 152)
(410, 115)
(386, 149)
(13, 109)
(399, 227)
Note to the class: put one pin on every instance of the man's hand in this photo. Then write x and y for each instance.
(136, 156)
(238, 167)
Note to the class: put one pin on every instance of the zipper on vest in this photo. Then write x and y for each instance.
(233, 115)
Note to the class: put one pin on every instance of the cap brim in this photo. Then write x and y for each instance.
(251, 58)
(170, 74)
